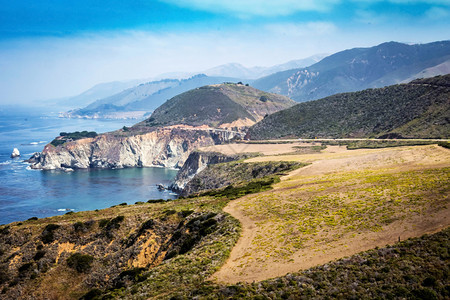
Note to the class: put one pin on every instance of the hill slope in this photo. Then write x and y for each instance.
(419, 109)
(223, 105)
(358, 69)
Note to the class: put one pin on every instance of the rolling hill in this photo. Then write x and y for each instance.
(419, 109)
(360, 68)
(222, 105)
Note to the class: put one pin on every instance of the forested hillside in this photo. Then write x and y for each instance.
(419, 109)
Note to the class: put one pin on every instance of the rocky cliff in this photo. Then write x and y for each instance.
(197, 162)
(206, 171)
(164, 146)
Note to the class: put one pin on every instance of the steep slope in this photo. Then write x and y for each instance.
(224, 105)
(143, 98)
(358, 69)
(419, 109)
(68, 256)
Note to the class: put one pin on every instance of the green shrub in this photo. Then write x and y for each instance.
(65, 136)
(103, 222)
(444, 144)
(156, 201)
(92, 294)
(47, 235)
(80, 262)
(5, 230)
(186, 213)
(169, 212)
(39, 254)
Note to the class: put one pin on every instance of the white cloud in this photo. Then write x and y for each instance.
(243, 8)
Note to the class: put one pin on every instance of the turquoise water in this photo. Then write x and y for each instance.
(26, 193)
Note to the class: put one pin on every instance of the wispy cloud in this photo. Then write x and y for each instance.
(244, 8)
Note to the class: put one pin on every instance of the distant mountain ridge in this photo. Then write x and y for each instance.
(98, 91)
(240, 71)
(137, 101)
(419, 109)
(109, 100)
(360, 68)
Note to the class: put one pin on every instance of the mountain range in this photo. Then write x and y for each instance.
(360, 68)
(346, 71)
(138, 97)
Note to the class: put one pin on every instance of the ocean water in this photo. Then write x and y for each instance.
(26, 193)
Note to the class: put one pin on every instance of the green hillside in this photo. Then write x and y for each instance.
(215, 105)
(419, 109)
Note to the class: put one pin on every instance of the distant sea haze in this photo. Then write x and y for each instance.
(26, 193)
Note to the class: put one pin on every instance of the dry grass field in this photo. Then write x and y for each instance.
(344, 202)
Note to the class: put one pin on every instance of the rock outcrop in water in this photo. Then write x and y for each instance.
(164, 147)
(15, 153)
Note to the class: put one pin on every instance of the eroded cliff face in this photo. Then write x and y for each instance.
(195, 163)
(165, 147)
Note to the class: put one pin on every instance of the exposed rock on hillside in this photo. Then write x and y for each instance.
(196, 163)
(205, 171)
(164, 147)
(234, 174)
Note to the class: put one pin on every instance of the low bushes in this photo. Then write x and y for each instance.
(80, 262)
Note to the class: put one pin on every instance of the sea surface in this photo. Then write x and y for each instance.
(26, 193)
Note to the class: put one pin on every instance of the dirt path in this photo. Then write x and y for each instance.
(254, 257)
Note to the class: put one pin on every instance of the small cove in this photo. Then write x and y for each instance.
(26, 193)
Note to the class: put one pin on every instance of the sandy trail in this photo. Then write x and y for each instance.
(246, 265)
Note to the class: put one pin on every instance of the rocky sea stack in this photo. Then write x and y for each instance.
(15, 153)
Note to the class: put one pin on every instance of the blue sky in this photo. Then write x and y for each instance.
(51, 48)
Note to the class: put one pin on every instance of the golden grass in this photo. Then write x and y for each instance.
(344, 202)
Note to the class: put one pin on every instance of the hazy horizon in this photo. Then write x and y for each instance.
(58, 49)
